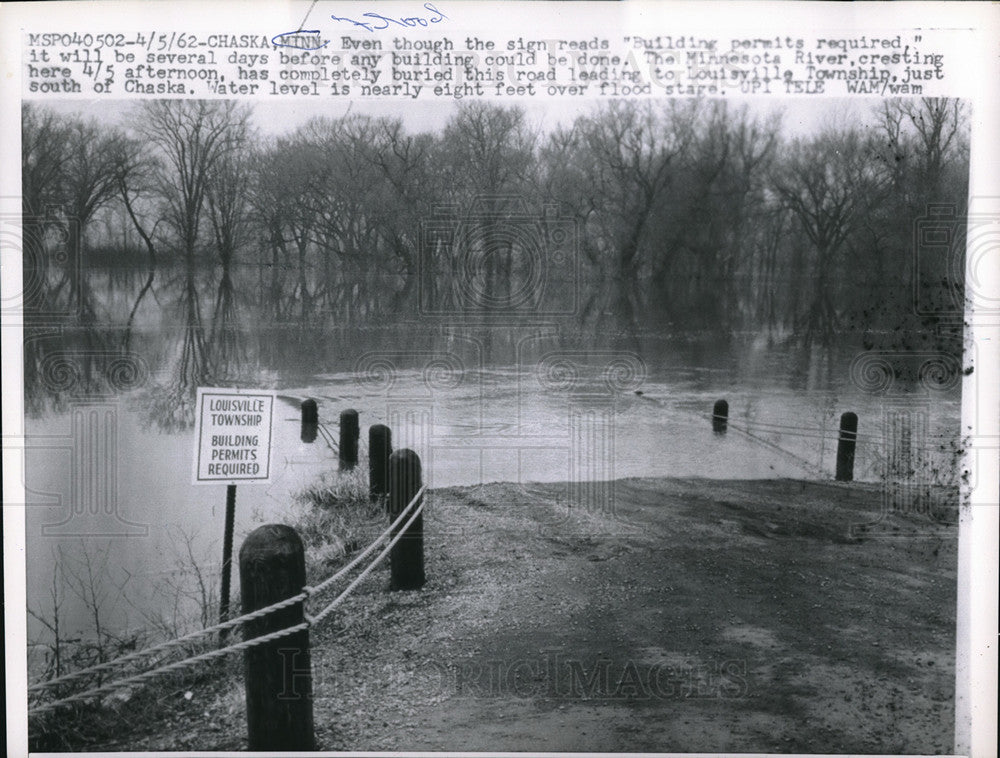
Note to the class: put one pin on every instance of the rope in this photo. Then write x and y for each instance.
(87, 694)
(833, 435)
(808, 465)
(328, 437)
(299, 597)
(860, 438)
(361, 556)
(253, 615)
(350, 588)
(826, 433)
(821, 430)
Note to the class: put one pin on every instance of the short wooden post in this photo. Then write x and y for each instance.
(720, 416)
(310, 420)
(845, 447)
(379, 449)
(349, 434)
(310, 411)
(278, 674)
(406, 559)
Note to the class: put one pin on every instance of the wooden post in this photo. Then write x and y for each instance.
(278, 674)
(720, 416)
(349, 434)
(310, 420)
(406, 559)
(227, 560)
(845, 447)
(379, 449)
(310, 411)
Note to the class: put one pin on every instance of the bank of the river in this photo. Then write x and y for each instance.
(693, 615)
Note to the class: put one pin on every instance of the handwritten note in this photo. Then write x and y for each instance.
(310, 39)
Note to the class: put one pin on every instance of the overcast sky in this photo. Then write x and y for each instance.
(803, 115)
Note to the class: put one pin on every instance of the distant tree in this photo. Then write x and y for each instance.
(192, 137)
(411, 182)
(488, 154)
(923, 145)
(134, 172)
(827, 182)
(44, 155)
(230, 217)
(288, 171)
(707, 223)
(616, 165)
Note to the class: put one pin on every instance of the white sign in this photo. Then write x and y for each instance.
(233, 436)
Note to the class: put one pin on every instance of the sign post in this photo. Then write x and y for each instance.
(232, 444)
(227, 559)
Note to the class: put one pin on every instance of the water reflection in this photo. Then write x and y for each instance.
(539, 400)
(203, 325)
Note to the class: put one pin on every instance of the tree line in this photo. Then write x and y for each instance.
(691, 216)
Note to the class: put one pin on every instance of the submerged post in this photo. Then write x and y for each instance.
(720, 416)
(379, 449)
(310, 420)
(406, 560)
(310, 411)
(845, 446)
(278, 674)
(349, 433)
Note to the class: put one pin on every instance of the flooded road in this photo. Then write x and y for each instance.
(131, 508)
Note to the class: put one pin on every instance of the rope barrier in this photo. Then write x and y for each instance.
(822, 430)
(308, 592)
(828, 433)
(305, 594)
(860, 438)
(88, 694)
(808, 465)
(361, 556)
(328, 437)
(163, 646)
(833, 435)
(350, 588)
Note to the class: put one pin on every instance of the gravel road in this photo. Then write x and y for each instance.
(697, 616)
(694, 615)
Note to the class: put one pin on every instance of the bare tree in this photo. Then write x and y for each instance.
(90, 182)
(287, 172)
(621, 161)
(51, 618)
(133, 170)
(44, 155)
(827, 182)
(193, 137)
(229, 211)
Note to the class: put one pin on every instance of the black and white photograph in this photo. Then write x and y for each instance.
(388, 387)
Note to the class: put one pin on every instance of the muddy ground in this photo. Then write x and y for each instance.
(690, 616)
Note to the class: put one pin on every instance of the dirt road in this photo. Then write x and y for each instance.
(693, 616)
(698, 616)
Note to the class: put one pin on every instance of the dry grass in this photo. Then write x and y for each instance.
(336, 517)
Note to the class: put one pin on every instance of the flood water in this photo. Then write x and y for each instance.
(109, 466)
